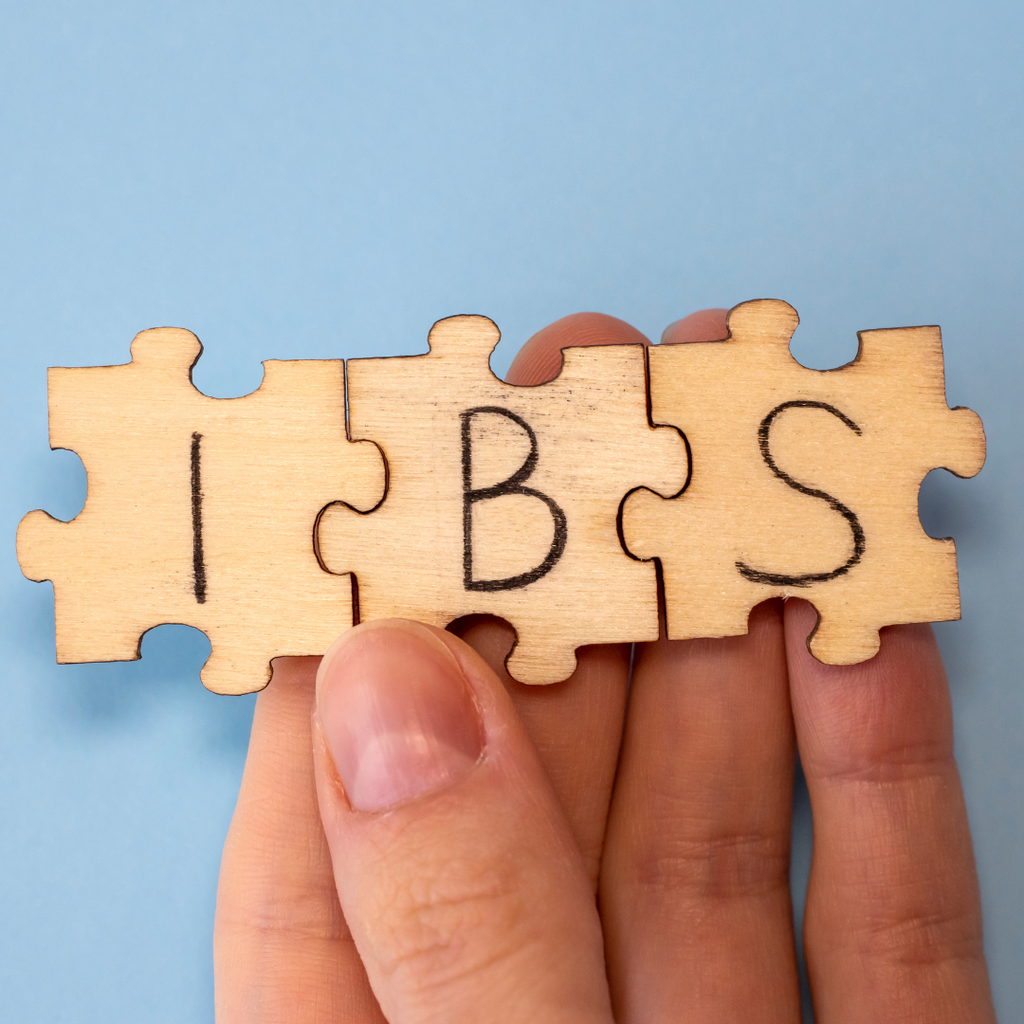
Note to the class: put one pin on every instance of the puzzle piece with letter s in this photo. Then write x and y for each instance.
(199, 510)
(504, 499)
(804, 483)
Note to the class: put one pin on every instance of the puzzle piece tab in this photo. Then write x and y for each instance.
(504, 499)
(805, 483)
(199, 510)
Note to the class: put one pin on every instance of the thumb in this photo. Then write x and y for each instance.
(457, 873)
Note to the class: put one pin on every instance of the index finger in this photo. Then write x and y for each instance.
(575, 725)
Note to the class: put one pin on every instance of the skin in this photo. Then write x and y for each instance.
(612, 847)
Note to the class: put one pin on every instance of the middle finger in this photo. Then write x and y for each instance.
(575, 725)
(694, 890)
(695, 880)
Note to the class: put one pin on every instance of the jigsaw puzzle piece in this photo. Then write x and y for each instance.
(199, 510)
(805, 483)
(503, 500)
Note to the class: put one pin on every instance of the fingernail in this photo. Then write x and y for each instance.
(397, 713)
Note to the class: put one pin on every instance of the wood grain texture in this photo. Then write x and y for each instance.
(239, 516)
(199, 510)
(805, 483)
(476, 507)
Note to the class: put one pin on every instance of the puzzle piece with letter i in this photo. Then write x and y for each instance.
(504, 499)
(199, 510)
(805, 483)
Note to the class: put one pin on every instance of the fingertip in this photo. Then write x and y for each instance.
(704, 325)
(860, 718)
(397, 714)
(540, 359)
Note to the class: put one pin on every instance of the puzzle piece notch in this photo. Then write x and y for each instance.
(467, 336)
(199, 510)
(173, 350)
(748, 490)
(424, 553)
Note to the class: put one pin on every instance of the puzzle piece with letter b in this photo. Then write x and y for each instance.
(199, 510)
(504, 499)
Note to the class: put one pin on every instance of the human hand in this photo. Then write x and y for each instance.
(467, 864)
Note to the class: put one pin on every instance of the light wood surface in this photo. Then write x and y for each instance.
(805, 483)
(241, 516)
(547, 556)
(199, 510)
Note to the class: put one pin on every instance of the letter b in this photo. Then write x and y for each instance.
(512, 485)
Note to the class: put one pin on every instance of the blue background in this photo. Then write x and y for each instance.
(327, 179)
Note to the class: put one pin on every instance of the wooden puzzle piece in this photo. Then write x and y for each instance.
(504, 499)
(805, 483)
(199, 510)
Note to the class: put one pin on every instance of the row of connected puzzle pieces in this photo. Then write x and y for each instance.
(743, 473)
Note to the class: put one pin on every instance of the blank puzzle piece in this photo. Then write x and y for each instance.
(200, 510)
(805, 483)
(504, 499)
